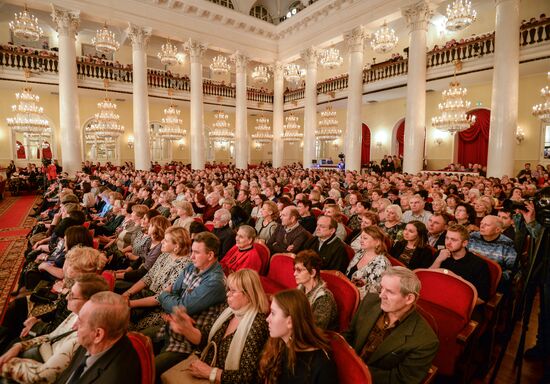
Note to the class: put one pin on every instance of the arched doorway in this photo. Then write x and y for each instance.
(365, 145)
(399, 138)
(473, 143)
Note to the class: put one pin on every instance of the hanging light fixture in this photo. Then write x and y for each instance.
(168, 54)
(542, 110)
(291, 129)
(328, 129)
(460, 15)
(453, 117)
(261, 74)
(384, 39)
(106, 121)
(293, 73)
(29, 117)
(220, 65)
(221, 134)
(263, 133)
(171, 124)
(25, 26)
(330, 58)
(105, 40)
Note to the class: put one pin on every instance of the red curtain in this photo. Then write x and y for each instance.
(47, 151)
(473, 143)
(400, 136)
(365, 145)
(20, 150)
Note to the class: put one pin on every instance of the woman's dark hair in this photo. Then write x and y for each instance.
(422, 233)
(78, 235)
(470, 210)
(152, 213)
(86, 187)
(311, 261)
(197, 227)
(305, 335)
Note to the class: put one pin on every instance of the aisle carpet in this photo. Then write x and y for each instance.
(15, 223)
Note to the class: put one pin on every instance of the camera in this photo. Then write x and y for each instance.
(513, 205)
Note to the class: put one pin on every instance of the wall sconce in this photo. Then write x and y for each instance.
(380, 139)
(520, 135)
(181, 144)
(379, 144)
(438, 140)
(131, 141)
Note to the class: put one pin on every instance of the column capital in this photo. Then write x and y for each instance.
(194, 49)
(66, 22)
(417, 15)
(139, 35)
(355, 38)
(278, 68)
(240, 60)
(310, 56)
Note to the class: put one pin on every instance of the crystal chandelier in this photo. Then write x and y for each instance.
(171, 124)
(291, 129)
(221, 133)
(260, 74)
(384, 39)
(293, 73)
(220, 65)
(453, 109)
(263, 133)
(25, 26)
(29, 116)
(542, 110)
(330, 58)
(328, 129)
(460, 15)
(168, 54)
(105, 40)
(106, 121)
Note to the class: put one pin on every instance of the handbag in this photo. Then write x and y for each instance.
(180, 373)
(43, 351)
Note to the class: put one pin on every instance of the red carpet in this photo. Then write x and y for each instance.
(14, 226)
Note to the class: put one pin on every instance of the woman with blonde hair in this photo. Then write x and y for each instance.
(297, 351)
(240, 333)
(185, 213)
(392, 224)
(267, 221)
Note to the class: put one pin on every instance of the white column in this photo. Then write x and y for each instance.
(278, 114)
(352, 137)
(504, 99)
(142, 149)
(194, 50)
(241, 127)
(310, 56)
(71, 149)
(417, 17)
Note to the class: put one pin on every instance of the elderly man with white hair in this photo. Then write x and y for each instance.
(417, 211)
(490, 242)
(223, 231)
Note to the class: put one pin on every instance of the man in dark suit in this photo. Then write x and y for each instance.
(329, 247)
(437, 229)
(105, 355)
(289, 236)
(390, 335)
(223, 231)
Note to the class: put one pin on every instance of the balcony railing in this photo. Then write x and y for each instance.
(294, 94)
(333, 85)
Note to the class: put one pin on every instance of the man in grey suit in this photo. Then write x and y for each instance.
(105, 355)
(389, 334)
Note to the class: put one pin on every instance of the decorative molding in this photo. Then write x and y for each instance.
(417, 15)
(310, 56)
(139, 35)
(240, 60)
(66, 22)
(194, 49)
(355, 39)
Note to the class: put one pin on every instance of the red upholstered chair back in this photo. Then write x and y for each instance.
(86, 224)
(265, 254)
(198, 219)
(395, 262)
(495, 272)
(349, 231)
(209, 226)
(281, 273)
(450, 300)
(346, 295)
(316, 212)
(144, 348)
(351, 369)
(344, 219)
(109, 278)
(349, 251)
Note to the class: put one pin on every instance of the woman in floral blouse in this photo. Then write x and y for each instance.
(365, 269)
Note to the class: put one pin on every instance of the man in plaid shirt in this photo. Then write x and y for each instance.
(200, 289)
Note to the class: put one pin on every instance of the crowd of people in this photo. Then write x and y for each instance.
(171, 253)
